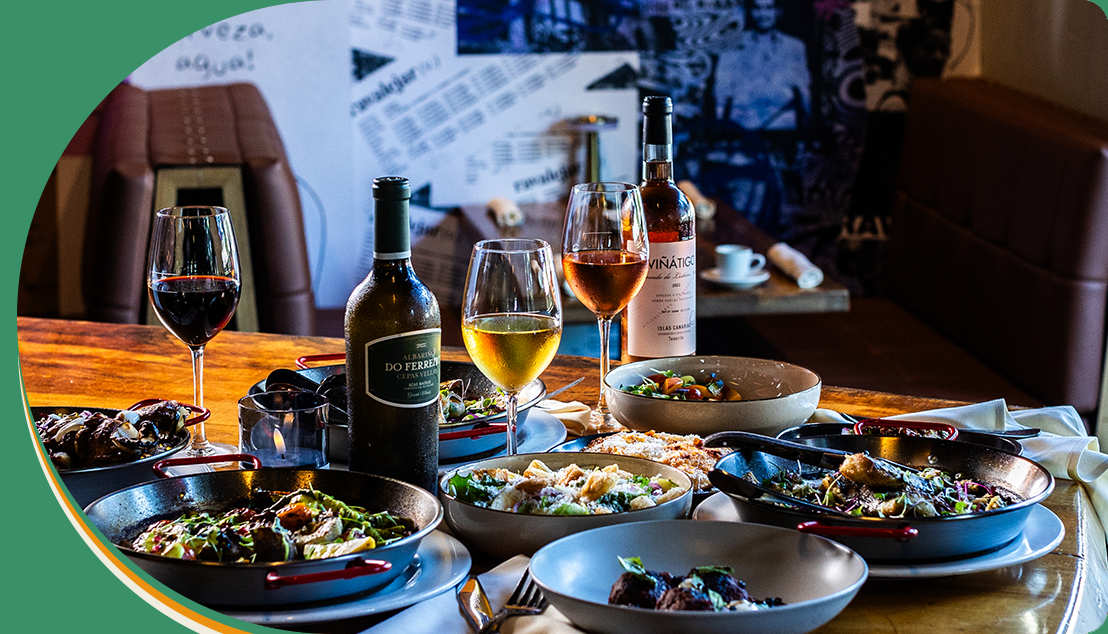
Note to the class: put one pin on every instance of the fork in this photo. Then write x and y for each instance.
(526, 600)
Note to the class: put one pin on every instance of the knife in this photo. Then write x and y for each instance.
(474, 603)
(563, 389)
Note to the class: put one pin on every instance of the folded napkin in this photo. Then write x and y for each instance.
(794, 264)
(442, 615)
(574, 415)
(505, 213)
(1063, 447)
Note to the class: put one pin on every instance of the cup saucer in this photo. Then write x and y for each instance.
(752, 280)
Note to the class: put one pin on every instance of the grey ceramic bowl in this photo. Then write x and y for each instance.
(775, 396)
(503, 534)
(816, 577)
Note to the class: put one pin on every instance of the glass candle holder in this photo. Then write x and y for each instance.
(284, 428)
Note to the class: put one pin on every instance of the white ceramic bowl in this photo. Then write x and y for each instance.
(816, 577)
(503, 534)
(775, 396)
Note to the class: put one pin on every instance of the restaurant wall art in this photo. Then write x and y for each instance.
(781, 106)
(771, 98)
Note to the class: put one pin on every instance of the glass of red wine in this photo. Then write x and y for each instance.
(193, 282)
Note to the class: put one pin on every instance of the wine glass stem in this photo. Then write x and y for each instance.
(199, 440)
(605, 324)
(513, 406)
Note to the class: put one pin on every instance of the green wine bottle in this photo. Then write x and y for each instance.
(393, 343)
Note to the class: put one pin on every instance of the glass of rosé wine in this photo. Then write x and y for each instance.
(604, 259)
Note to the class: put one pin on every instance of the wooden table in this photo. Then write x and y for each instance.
(779, 294)
(82, 363)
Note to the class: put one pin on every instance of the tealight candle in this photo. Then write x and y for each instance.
(284, 428)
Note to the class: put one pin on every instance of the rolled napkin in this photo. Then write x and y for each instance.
(794, 264)
(574, 415)
(441, 614)
(505, 213)
(1063, 447)
(703, 206)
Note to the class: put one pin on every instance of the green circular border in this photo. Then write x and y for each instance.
(62, 58)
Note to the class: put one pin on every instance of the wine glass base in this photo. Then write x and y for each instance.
(602, 422)
(211, 449)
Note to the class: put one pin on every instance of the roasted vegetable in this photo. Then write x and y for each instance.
(669, 385)
(867, 487)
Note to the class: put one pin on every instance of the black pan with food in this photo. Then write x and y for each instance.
(815, 430)
(86, 484)
(121, 516)
(884, 539)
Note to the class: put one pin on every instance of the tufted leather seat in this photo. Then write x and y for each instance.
(999, 237)
(143, 131)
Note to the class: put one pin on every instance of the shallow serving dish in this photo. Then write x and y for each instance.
(504, 534)
(122, 515)
(815, 577)
(775, 396)
(887, 539)
(89, 484)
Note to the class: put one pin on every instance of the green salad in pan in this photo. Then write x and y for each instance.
(458, 405)
(304, 524)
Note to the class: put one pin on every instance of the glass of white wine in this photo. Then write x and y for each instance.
(512, 315)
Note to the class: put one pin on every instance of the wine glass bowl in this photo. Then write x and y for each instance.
(512, 316)
(193, 282)
(605, 259)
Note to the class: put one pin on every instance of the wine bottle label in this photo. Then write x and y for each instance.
(661, 319)
(403, 370)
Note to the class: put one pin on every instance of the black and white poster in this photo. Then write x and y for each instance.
(769, 101)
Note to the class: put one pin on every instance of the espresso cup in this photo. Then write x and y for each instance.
(737, 262)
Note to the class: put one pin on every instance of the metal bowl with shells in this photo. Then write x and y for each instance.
(99, 450)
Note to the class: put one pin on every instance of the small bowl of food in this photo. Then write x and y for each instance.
(516, 504)
(475, 412)
(695, 577)
(705, 395)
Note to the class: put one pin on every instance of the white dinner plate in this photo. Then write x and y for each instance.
(1042, 532)
(440, 564)
(713, 276)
